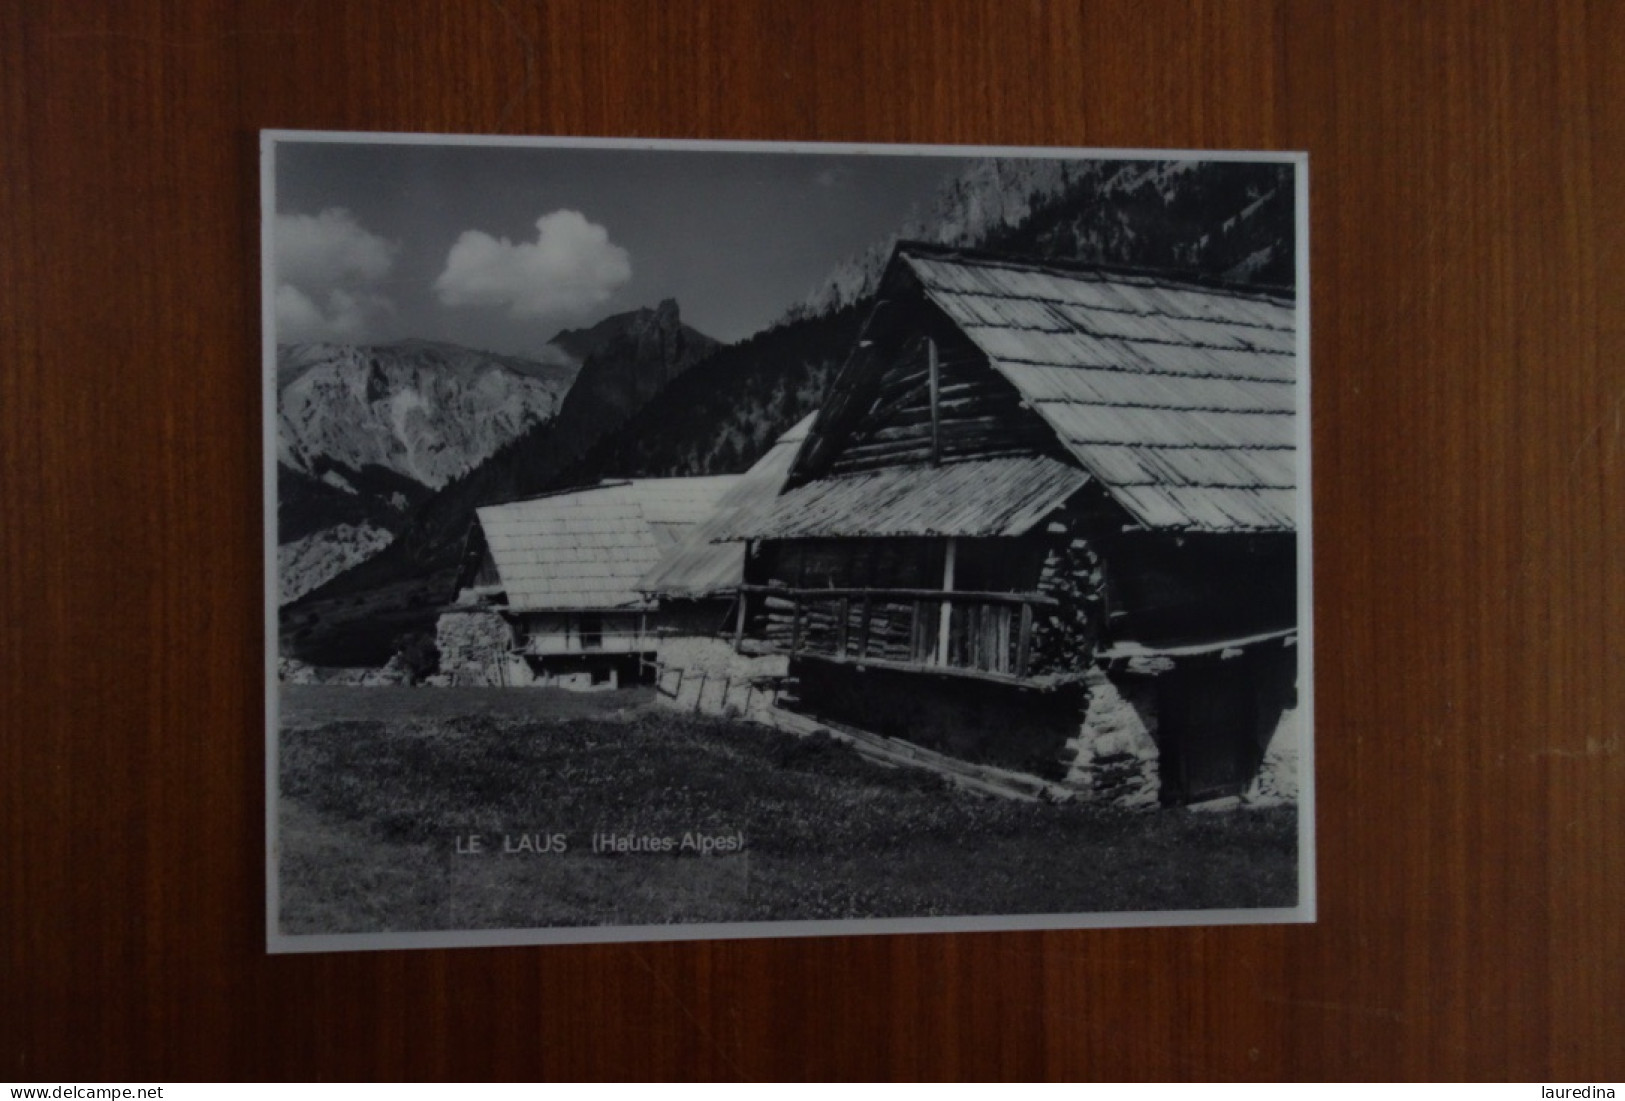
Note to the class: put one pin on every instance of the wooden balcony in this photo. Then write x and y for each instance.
(952, 632)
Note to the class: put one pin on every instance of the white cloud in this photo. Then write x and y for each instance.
(327, 265)
(340, 316)
(568, 269)
(330, 249)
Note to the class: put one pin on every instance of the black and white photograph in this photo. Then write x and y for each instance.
(676, 540)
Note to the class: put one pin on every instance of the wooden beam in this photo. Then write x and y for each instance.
(1024, 639)
(936, 401)
(786, 596)
(739, 623)
(909, 424)
(946, 621)
(1046, 682)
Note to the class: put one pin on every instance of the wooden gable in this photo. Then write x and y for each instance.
(887, 410)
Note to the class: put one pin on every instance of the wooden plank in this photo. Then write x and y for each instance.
(936, 397)
(1024, 639)
(866, 456)
(901, 394)
(983, 439)
(1047, 682)
(945, 418)
(903, 595)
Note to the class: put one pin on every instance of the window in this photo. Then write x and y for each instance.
(591, 628)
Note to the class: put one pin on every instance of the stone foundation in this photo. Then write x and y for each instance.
(1114, 755)
(474, 645)
(706, 675)
(1277, 780)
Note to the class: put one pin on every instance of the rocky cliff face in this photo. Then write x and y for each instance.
(639, 359)
(366, 433)
(429, 412)
(303, 564)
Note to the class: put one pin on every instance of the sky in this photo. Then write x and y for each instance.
(500, 247)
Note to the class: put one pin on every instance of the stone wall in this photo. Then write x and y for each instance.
(1114, 755)
(473, 647)
(706, 675)
(1277, 779)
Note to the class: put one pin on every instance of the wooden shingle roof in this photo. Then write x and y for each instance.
(1003, 496)
(700, 565)
(1180, 398)
(587, 549)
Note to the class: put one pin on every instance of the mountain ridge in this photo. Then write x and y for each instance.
(429, 412)
(352, 618)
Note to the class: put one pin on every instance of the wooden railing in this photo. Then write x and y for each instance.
(982, 631)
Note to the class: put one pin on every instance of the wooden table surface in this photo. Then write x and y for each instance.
(1467, 183)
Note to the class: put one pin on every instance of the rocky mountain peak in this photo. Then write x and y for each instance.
(637, 354)
(427, 411)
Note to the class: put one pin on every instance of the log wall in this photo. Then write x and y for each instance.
(978, 413)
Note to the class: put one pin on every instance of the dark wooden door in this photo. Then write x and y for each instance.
(1207, 716)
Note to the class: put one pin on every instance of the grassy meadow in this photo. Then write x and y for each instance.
(382, 787)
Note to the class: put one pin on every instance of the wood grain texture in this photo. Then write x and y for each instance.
(1468, 179)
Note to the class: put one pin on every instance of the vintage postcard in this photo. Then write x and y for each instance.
(693, 540)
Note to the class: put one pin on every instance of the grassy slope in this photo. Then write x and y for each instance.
(371, 810)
